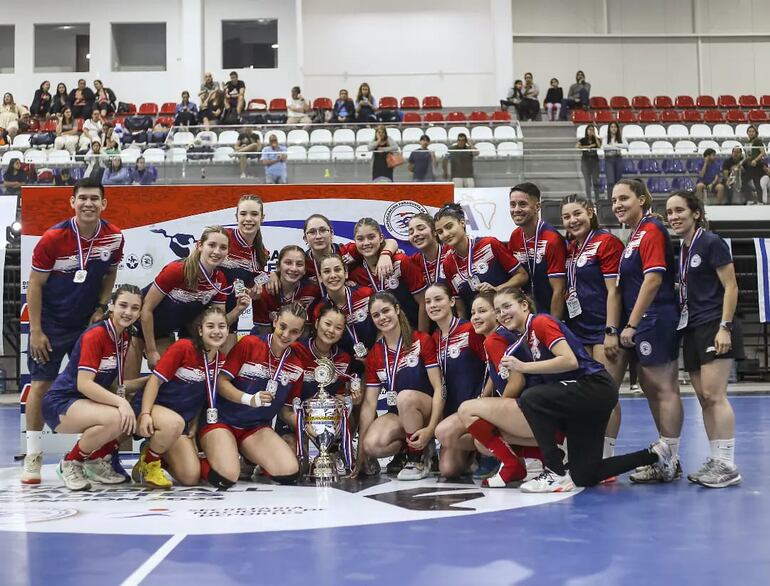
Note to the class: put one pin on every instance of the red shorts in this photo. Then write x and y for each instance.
(239, 433)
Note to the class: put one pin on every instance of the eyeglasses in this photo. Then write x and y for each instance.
(318, 232)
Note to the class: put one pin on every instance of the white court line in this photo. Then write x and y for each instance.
(153, 561)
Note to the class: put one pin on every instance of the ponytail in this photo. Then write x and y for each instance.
(403, 322)
(191, 268)
(586, 204)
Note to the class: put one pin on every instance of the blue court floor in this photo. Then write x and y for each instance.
(401, 533)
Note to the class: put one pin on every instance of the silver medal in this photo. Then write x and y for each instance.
(80, 276)
(684, 317)
(355, 383)
(239, 287)
(211, 415)
(262, 279)
(121, 391)
(392, 282)
(296, 403)
(359, 349)
(503, 372)
(272, 386)
(392, 398)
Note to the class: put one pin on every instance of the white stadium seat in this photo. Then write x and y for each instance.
(296, 152)
(486, 150)
(409, 149)
(741, 129)
(344, 136)
(9, 155)
(59, 157)
(21, 141)
(707, 144)
(722, 131)
(455, 131)
(727, 146)
(228, 137)
(510, 149)
(481, 133)
(411, 135)
(321, 136)
(319, 153)
(685, 147)
(343, 152)
(364, 135)
(35, 156)
(638, 147)
(183, 138)
(507, 133)
(700, 131)
(154, 155)
(439, 148)
(176, 155)
(764, 131)
(363, 152)
(662, 147)
(394, 133)
(279, 134)
(207, 137)
(129, 156)
(223, 154)
(436, 134)
(298, 137)
(630, 132)
(677, 131)
(653, 131)
(580, 131)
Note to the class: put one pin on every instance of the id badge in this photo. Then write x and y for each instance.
(573, 306)
(684, 317)
(391, 397)
(80, 276)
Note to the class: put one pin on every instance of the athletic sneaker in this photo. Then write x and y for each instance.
(654, 473)
(721, 475)
(666, 462)
(339, 466)
(101, 470)
(32, 465)
(487, 466)
(695, 476)
(153, 475)
(397, 463)
(71, 474)
(504, 478)
(247, 470)
(549, 481)
(417, 467)
(534, 468)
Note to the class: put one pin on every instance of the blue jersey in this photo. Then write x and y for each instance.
(699, 279)
(308, 355)
(495, 347)
(359, 326)
(462, 360)
(411, 368)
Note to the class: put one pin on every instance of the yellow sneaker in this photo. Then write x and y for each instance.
(138, 470)
(154, 476)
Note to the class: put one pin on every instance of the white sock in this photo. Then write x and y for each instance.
(609, 447)
(723, 449)
(673, 443)
(34, 442)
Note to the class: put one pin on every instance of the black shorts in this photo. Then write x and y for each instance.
(698, 346)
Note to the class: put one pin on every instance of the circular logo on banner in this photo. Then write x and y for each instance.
(146, 261)
(397, 217)
(695, 261)
(132, 261)
(645, 348)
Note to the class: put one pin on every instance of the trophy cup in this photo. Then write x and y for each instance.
(323, 422)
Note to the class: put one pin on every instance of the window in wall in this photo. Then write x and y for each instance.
(62, 47)
(6, 48)
(250, 44)
(139, 46)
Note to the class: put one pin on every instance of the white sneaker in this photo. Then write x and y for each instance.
(549, 481)
(666, 463)
(415, 469)
(534, 468)
(101, 470)
(32, 465)
(695, 476)
(721, 475)
(71, 474)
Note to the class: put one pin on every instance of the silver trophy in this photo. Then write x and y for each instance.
(323, 422)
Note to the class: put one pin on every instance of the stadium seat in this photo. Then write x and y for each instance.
(154, 156)
(388, 103)
(344, 136)
(748, 101)
(223, 154)
(638, 147)
(440, 149)
(672, 166)
(663, 102)
(412, 118)
(649, 166)
(130, 109)
(692, 116)
(727, 146)
(411, 135)
(431, 103)
(481, 133)
(478, 116)
(343, 153)
(626, 116)
(598, 103)
(581, 116)
(453, 133)
(758, 116)
(49, 126)
(35, 157)
(630, 166)
(735, 116)
(208, 137)
(700, 131)
(670, 116)
(713, 116)
(685, 147)
(641, 102)
(296, 152)
(228, 137)
(510, 149)
(409, 149)
(631, 132)
(410, 103)
(603, 131)
(59, 157)
(436, 134)
(648, 116)
(434, 117)
(257, 104)
(682, 184)
(279, 134)
(604, 117)
(764, 101)
(653, 131)
(394, 133)
(182, 138)
(456, 117)
(658, 185)
(168, 109)
(129, 156)
(662, 147)
(505, 133)
(764, 131)
(741, 129)
(364, 136)
(694, 165)
(727, 101)
(298, 136)
(323, 104)
(22, 141)
(321, 136)
(165, 121)
(722, 131)
(684, 102)
(677, 131)
(486, 150)
(705, 102)
(500, 116)
(148, 109)
(707, 144)
(277, 105)
(580, 131)
(176, 155)
(619, 103)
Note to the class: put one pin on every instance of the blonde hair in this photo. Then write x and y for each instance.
(191, 269)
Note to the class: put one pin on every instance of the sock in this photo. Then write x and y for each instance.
(531, 452)
(34, 442)
(105, 450)
(723, 449)
(609, 447)
(486, 434)
(150, 456)
(673, 443)
(76, 454)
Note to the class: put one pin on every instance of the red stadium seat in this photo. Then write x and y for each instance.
(323, 104)
(604, 117)
(501, 116)
(648, 116)
(626, 116)
(684, 102)
(277, 105)
(748, 101)
(758, 116)
(641, 103)
(478, 116)
(663, 102)
(165, 121)
(410, 103)
(705, 102)
(598, 103)
(670, 116)
(168, 109)
(764, 101)
(388, 103)
(692, 116)
(619, 102)
(49, 126)
(431, 103)
(581, 117)
(257, 104)
(148, 109)
(119, 119)
(434, 117)
(80, 124)
(713, 116)
(456, 117)
(727, 102)
(736, 116)
(412, 118)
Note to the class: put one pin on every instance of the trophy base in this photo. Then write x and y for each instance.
(323, 469)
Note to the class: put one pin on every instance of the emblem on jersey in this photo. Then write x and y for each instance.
(628, 252)
(482, 267)
(397, 217)
(695, 261)
(645, 348)
(104, 254)
(454, 351)
(359, 315)
(412, 360)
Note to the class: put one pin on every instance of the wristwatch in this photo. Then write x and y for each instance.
(726, 325)
(611, 331)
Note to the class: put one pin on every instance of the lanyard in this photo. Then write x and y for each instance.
(684, 267)
(121, 348)
(226, 290)
(351, 328)
(644, 219)
(83, 259)
(443, 346)
(254, 265)
(371, 278)
(515, 346)
(572, 267)
(390, 374)
(282, 300)
(212, 376)
(437, 271)
(332, 356)
(532, 261)
(469, 265)
(274, 375)
(309, 253)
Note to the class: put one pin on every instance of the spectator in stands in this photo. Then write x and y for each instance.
(514, 98)
(14, 176)
(553, 99)
(104, 98)
(754, 166)
(422, 161)
(382, 146)
(613, 155)
(63, 178)
(67, 133)
(109, 133)
(94, 160)
(530, 103)
(589, 162)
(235, 95)
(92, 128)
(208, 87)
(247, 146)
(81, 100)
(112, 147)
(60, 99)
(460, 158)
(710, 178)
(9, 115)
(274, 160)
(116, 173)
(298, 108)
(3, 137)
(344, 108)
(41, 102)
(186, 111)
(212, 108)
(577, 96)
(143, 174)
(731, 174)
(366, 104)
(28, 125)
(135, 129)
(159, 132)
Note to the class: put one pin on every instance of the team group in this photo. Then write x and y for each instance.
(504, 353)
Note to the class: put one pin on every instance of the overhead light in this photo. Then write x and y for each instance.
(16, 227)
(88, 55)
(274, 45)
(66, 27)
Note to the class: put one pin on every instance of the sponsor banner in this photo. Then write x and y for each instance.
(486, 211)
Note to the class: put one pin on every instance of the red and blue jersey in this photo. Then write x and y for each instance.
(588, 268)
(241, 261)
(250, 365)
(490, 263)
(68, 305)
(357, 319)
(462, 360)
(433, 270)
(544, 256)
(95, 352)
(648, 250)
(348, 252)
(181, 305)
(412, 367)
(406, 281)
(183, 380)
(265, 307)
(705, 292)
(495, 346)
(308, 357)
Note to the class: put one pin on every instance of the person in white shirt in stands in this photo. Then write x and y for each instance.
(274, 160)
(298, 108)
(92, 128)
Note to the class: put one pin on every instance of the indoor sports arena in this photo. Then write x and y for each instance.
(420, 293)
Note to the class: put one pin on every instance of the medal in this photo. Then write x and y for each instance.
(211, 415)
(82, 273)
(359, 350)
(262, 279)
(503, 372)
(685, 262)
(577, 260)
(239, 287)
(296, 403)
(355, 383)
(211, 377)
(393, 282)
(121, 391)
(392, 372)
(392, 398)
(121, 349)
(80, 276)
(272, 384)
(684, 317)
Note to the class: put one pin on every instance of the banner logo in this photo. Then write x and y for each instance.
(397, 217)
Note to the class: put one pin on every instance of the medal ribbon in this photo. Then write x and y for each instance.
(572, 266)
(371, 278)
(253, 265)
(121, 348)
(226, 290)
(351, 328)
(281, 362)
(437, 271)
(532, 261)
(644, 219)
(443, 346)
(467, 276)
(391, 374)
(83, 260)
(515, 346)
(684, 268)
(211, 381)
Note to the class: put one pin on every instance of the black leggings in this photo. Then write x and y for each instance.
(581, 409)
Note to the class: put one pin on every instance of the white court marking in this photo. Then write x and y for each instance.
(153, 561)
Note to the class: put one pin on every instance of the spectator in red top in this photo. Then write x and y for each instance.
(81, 100)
